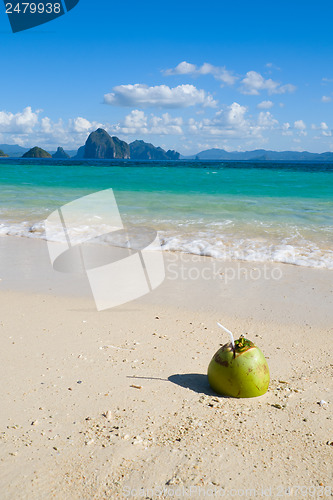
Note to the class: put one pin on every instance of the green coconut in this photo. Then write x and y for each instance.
(239, 371)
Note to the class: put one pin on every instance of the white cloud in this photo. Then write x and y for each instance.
(82, 125)
(323, 127)
(265, 105)
(219, 72)
(326, 98)
(229, 122)
(183, 68)
(299, 125)
(51, 132)
(46, 125)
(286, 129)
(26, 128)
(266, 119)
(137, 122)
(272, 66)
(73, 132)
(233, 122)
(140, 95)
(234, 115)
(19, 123)
(232, 127)
(254, 82)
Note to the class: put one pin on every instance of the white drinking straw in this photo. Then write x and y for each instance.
(229, 333)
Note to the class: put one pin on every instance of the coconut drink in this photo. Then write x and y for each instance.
(239, 369)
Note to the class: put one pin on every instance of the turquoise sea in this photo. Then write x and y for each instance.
(246, 211)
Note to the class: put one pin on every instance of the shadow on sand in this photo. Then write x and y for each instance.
(197, 382)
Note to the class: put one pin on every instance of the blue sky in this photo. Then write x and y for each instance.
(183, 75)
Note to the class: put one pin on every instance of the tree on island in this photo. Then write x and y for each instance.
(100, 145)
(37, 153)
(2, 154)
(141, 150)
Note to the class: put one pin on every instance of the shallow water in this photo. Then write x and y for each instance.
(280, 212)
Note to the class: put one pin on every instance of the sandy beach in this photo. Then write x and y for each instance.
(166, 232)
(116, 404)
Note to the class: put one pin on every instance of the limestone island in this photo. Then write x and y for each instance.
(60, 154)
(36, 153)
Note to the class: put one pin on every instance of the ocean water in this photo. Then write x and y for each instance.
(277, 212)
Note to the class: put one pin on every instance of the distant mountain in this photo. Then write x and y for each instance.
(36, 153)
(70, 152)
(13, 150)
(141, 150)
(260, 155)
(122, 148)
(172, 154)
(100, 145)
(2, 154)
(60, 154)
(79, 154)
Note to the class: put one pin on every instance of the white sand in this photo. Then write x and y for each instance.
(63, 365)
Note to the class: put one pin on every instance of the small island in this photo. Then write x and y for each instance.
(141, 150)
(101, 146)
(60, 154)
(36, 152)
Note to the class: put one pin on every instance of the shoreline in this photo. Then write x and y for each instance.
(32, 261)
(254, 215)
(281, 293)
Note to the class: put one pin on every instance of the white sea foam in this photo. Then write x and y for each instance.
(306, 254)
(205, 242)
